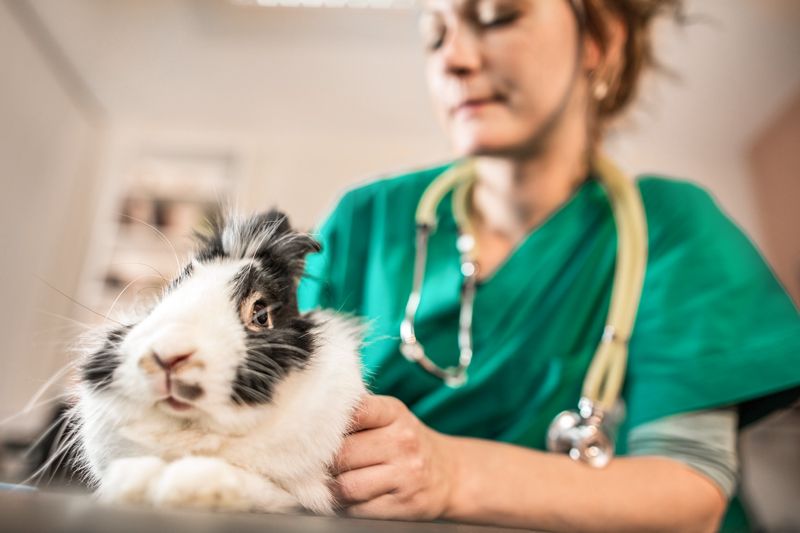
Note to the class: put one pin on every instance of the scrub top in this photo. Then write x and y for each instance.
(714, 327)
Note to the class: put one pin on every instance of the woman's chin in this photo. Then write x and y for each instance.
(484, 143)
(476, 147)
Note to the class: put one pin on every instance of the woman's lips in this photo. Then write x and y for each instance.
(475, 105)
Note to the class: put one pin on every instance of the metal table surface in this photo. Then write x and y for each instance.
(42, 511)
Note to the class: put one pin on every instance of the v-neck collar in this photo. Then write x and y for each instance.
(587, 194)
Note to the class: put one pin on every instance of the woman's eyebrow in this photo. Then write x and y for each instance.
(463, 6)
(443, 5)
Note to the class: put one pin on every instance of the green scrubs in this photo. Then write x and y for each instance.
(714, 327)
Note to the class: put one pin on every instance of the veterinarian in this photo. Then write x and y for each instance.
(484, 321)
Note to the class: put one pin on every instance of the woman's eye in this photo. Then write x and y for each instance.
(502, 20)
(489, 15)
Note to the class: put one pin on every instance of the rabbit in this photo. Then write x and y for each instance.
(223, 395)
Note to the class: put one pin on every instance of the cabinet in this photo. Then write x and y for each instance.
(164, 194)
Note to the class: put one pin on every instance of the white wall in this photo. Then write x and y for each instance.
(314, 101)
(311, 102)
(47, 148)
(326, 97)
(737, 67)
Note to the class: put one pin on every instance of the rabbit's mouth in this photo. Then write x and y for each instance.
(171, 403)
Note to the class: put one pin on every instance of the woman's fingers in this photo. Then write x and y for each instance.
(377, 411)
(384, 507)
(370, 443)
(394, 467)
(362, 449)
(364, 484)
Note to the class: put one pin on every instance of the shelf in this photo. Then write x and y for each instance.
(168, 195)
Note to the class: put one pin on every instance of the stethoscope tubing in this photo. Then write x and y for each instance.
(606, 374)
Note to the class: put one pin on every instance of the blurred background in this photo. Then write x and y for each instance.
(123, 123)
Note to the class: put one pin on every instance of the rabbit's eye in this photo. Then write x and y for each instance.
(261, 314)
(257, 314)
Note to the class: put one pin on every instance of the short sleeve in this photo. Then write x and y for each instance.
(714, 327)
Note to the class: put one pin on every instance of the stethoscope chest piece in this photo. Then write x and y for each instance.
(585, 435)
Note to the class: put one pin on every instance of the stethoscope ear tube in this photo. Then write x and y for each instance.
(607, 372)
(458, 178)
(587, 434)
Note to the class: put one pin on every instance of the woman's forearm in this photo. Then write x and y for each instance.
(509, 485)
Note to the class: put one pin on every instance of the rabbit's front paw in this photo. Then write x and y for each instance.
(315, 496)
(130, 480)
(202, 483)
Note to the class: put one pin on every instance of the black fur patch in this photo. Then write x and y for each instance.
(267, 237)
(271, 355)
(188, 391)
(98, 368)
(278, 289)
(183, 276)
(209, 245)
(278, 260)
(248, 280)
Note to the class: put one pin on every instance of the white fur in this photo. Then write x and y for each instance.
(271, 457)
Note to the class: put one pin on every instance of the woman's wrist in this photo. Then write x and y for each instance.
(482, 473)
(459, 483)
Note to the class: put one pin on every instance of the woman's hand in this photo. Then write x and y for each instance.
(393, 466)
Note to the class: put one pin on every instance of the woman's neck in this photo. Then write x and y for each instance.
(512, 196)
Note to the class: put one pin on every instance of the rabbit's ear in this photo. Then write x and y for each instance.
(273, 221)
(267, 236)
(291, 242)
(275, 240)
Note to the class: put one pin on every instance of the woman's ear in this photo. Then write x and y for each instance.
(604, 60)
(592, 52)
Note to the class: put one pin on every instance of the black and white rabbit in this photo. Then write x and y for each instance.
(223, 395)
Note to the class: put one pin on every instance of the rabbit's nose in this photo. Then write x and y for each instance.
(169, 362)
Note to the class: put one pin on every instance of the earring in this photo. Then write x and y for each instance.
(600, 90)
(599, 87)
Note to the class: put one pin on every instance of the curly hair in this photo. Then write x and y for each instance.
(638, 54)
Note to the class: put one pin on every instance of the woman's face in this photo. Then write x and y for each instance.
(500, 71)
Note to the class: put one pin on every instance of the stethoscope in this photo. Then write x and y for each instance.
(586, 434)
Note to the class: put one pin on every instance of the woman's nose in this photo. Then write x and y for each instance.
(461, 51)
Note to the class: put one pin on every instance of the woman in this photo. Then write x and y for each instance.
(526, 89)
